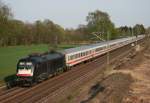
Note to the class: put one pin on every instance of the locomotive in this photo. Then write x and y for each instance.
(38, 67)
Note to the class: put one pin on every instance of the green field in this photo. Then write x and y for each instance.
(10, 55)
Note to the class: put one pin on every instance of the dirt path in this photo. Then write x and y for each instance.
(140, 88)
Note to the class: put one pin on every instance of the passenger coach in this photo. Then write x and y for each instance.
(77, 55)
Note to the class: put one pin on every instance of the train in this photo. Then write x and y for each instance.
(39, 67)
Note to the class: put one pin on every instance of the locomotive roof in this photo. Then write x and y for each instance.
(44, 57)
(90, 46)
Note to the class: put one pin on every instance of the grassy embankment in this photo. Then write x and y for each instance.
(10, 55)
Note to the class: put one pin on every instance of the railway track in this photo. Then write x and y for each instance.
(11, 93)
(5, 91)
(53, 87)
(91, 74)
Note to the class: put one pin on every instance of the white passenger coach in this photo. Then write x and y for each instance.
(83, 53)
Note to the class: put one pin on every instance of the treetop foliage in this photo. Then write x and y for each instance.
(16, 32)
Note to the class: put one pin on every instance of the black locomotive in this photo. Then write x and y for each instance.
(38, 67)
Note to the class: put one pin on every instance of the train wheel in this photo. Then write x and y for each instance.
(31, 84)
(64, 70)
(8, 85)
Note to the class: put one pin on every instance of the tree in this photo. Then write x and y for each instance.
(99, 21)
(5, 16)
(5, 11)
(148, 30)
(124, 31)
(16, 32)
(138, 29)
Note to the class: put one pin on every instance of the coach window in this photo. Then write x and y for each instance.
(68, 58)
(71, 57)
(103, 48)
(76, 55)
(96, 50)
(84, 53)
(90, 51)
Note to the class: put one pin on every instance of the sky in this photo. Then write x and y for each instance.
(71, 13)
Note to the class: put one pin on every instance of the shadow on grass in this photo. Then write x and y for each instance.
(94, 90)
(10, 81)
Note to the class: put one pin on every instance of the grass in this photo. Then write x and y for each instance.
(10, 55)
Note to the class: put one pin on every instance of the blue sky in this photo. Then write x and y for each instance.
(71, 13)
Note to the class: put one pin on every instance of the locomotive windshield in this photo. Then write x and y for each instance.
(25, 69)
(25, 65)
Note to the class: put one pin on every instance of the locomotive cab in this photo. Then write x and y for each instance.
(25, 70)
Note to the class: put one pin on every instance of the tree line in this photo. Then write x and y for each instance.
(17, 32)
